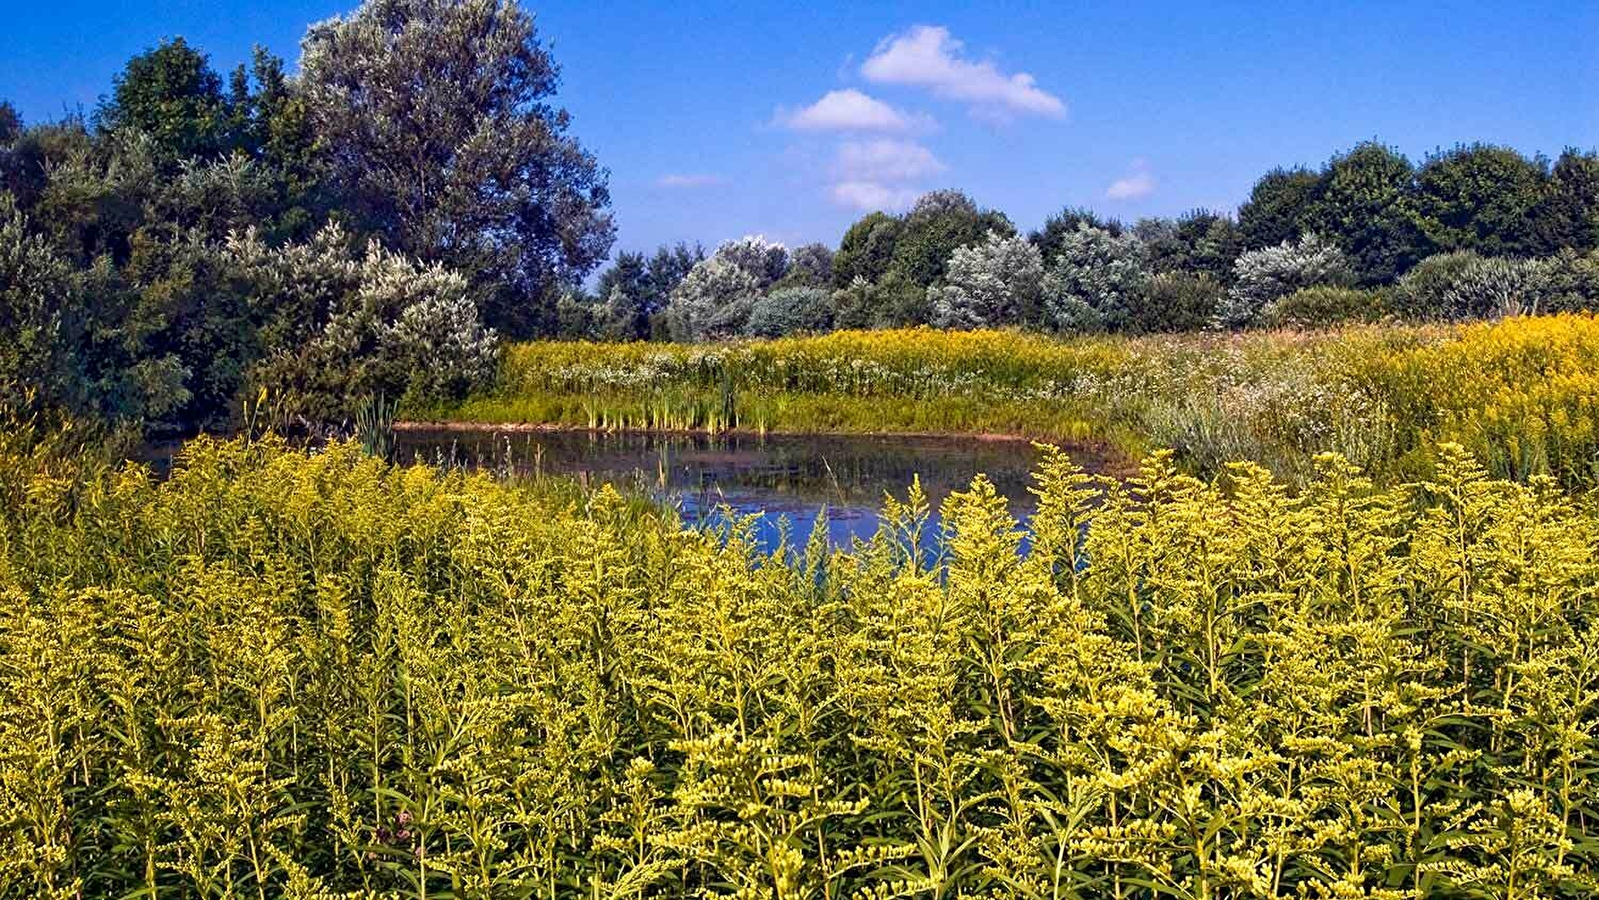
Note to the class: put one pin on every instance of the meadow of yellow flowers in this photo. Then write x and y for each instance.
(1520, 394)
(281, 673)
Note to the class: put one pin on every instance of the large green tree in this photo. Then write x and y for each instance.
(1569, 214)
(172, 95)
(936, 226)
(867, 249)
(436, 122)
(1276, 207)
(1366, 203)
(1481, 197)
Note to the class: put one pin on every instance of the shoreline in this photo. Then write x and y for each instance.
(466, 427)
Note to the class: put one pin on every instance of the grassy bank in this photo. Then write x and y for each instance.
(287, 675)
(1521, 394)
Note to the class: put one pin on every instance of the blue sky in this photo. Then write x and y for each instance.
(720, 119)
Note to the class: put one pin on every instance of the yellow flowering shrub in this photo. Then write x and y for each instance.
(312, 675)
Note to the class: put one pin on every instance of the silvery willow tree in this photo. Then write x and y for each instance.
(717, 296)
(1262, 276)
(998, 282)
(435, 122)
(1094, 280)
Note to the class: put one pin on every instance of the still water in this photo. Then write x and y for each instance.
(774, 477)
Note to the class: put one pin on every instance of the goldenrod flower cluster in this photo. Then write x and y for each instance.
(313, 675)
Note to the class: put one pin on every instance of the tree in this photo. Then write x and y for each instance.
(1366, 204)
(436, 126)
(867, 249)
(10, 123)
(716, 298)
(997, 282)
(1275, 210)
(790, 310)
(1198, 241)
(766, 261)
(1262, 276)
(1060, 226)
(667, 268)
(1094, 281)
(940, 222)
(810, 265)
(171, 94)
(1482, 198)
(1569, 214)
(624, 290)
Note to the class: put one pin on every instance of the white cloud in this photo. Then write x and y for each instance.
(689, 181)
(1136, 185)
(885, 159)
(868, 196)
(927, 56)
(851, 110)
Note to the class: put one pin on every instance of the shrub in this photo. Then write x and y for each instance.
(1421, 294)
(1325, 305)
(997, 282)
(315, 675)
(356, 326)
(1093, 281)
(436, 346)
(892, 300)
(1571, 281)
(1495, 287)
(1176, 302)
(1261, 276)
(790, 310)
(41, 318)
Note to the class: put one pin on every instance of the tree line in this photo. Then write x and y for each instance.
(1474, 231)
(348, 229)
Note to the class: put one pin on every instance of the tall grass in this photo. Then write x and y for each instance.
(309, 675)
(1520, 394)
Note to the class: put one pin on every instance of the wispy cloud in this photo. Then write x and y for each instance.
(689, 181)
(867, 196)
(881, 173)
(929, 56)
(851, 110)
(1136, 185)
(885, 159)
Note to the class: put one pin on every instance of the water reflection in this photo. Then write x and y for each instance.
(775, 477)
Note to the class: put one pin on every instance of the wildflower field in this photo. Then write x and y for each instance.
(289, 674)
(1520, 394)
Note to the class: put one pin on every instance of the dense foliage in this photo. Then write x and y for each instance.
(280, 674)
(124, 294)
(1522, 394)
(1366, 219)
(474, 169)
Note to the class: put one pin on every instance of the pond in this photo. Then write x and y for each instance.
(773, 477)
